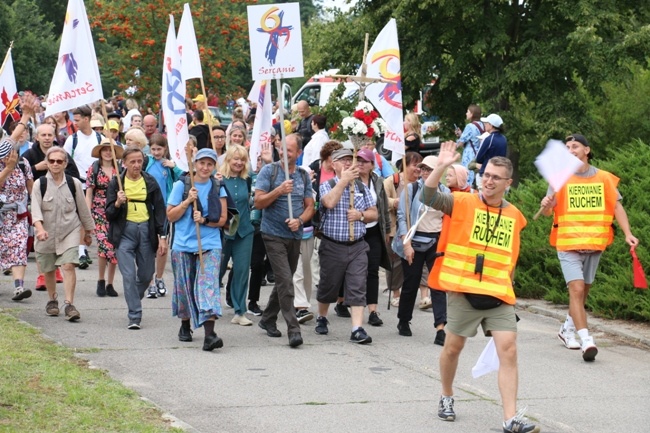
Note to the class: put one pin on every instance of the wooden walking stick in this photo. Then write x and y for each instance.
(113, 156)
(188, 152)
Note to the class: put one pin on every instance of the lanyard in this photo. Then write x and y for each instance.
(491, 233)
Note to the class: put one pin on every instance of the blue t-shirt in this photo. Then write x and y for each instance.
(494, 144)
(185, 239)
(274, 216)
(160, 174)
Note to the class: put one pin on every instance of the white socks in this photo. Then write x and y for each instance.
(583, 333)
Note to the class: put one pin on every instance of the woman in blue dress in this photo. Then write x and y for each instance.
(468, 139)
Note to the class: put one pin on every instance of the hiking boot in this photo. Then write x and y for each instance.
(270, 328)
(101, 288)
(519, 424)
(58, 275)
(185, 333)
(304, 316)
(40, 283)
(446, 409)
(254, 309)
(52, 308)
(110, 291)
(152, 293)
(374, 320)
(440, 337)
(21, 293)
(295, 339)
(568, 337)
(360, 337)
(211, 342)
(321, 325)
(404, 328)
(341, 310)
(83, 262)
(589, 349)
(71, 313)
(161, 288)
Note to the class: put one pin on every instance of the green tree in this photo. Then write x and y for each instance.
(537, 63)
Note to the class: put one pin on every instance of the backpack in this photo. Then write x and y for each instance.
(75, 141)
(303, 172)
(481, 130)
(70, 181)
(214, 204)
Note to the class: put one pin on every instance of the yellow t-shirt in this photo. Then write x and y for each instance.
(136, 193)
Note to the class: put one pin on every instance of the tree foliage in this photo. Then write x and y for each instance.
(538, 63)
(137, 29)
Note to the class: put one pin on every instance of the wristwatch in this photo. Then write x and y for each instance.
(206, 220)
(302, 223)
(363, 218)
(163, 237)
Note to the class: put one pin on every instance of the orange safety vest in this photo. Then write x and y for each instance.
(465, 235)
(584, 213)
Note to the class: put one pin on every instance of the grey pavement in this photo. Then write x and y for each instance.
(259, 384)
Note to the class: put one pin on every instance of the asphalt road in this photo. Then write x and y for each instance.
(258, 384)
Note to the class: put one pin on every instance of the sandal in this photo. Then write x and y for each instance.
(394, 302)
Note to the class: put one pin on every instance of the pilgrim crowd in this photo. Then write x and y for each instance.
(320, 227)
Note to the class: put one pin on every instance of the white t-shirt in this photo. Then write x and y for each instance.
(81, 156)
(126, 121)
(311, 152)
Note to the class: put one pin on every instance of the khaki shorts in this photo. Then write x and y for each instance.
(463, 319)
(50, 261)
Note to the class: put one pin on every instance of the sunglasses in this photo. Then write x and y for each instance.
(56, 161)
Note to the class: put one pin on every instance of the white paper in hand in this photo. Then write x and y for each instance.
(556, 164)
(487, 362)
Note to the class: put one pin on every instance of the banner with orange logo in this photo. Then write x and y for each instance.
(383, 61)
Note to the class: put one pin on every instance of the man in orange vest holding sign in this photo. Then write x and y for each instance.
(584, 210)
(479, 247)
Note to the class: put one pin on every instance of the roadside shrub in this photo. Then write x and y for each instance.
(612, 295)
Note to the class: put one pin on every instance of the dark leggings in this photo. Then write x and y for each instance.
(258, 268)
(374, 239)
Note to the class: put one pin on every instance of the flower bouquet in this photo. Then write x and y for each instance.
(430, 129)
(363, 125)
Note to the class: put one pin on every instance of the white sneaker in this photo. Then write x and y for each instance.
(568, 337)
(241, 320)
(589, 349)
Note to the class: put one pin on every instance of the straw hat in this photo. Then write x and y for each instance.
(106, 143)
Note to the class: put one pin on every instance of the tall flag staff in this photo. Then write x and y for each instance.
(364, 82)
(276, 52)
(188, 50)
(8, 90)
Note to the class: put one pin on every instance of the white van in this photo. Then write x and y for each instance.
(317, 90)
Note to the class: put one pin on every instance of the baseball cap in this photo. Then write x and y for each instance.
(206, 153)
(341, 153)
(199, 98)
(366, 155)
(430, 161)
(113, 125)
(493, 119)
(114, 115)
(582, 140)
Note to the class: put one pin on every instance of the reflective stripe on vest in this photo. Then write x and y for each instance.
(464, 236)
(584, 213)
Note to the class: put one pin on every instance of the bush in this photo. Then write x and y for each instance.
(612, 294)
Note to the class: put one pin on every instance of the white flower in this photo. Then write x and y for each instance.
(379, 125)
(365, 106)
(353, 126)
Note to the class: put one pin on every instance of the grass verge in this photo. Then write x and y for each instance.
(45, 388)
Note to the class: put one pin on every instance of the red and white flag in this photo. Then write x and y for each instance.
(383, 61)
(76, 79)
(187, 46)
(260, 93)
(8, 91)
(173, 100)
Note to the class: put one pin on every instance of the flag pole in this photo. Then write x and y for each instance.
(188, 153)
(4, 62)
(284, 144)
(113, 156)
(214, 144)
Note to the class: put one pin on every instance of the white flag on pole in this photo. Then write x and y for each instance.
(8, 91)
(76, 79)
(173, 100)
(260, 93)
(383, 61)
(556, 164)
(187, 46)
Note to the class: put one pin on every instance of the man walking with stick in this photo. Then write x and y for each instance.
(282, 225)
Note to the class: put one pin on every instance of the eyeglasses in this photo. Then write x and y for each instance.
(56, 161)
(488, 176)
(345, 160)
(219, 137)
